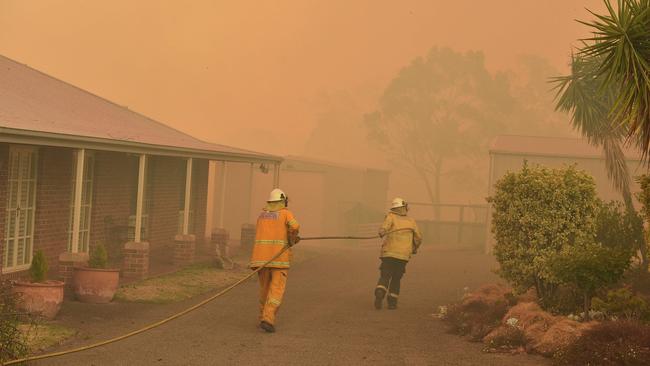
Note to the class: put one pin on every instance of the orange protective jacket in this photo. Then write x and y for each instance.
(273, 226)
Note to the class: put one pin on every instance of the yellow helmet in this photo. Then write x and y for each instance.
(398, 202)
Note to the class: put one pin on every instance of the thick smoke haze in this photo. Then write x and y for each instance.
(283, 77)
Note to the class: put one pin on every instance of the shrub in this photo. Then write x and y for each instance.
(38, 269)
(619, 229)
(622, 303)
(12, 342)
(644, 198)
(588, 267)
(537, 212)
(609, 343)
(98, 257)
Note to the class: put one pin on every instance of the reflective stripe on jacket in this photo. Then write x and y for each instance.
(400, 244)
(271, 236)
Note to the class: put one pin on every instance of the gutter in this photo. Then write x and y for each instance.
(14, 136)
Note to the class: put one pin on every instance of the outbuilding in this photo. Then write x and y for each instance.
(508, 153)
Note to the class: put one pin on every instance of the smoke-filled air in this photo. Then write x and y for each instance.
(417, 182)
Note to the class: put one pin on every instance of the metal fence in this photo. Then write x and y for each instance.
(456, 225)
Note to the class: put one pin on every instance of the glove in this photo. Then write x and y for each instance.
(293, 239)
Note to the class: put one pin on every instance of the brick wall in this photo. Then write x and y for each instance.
(4, 168)
(115, 181)
(53, 193)
(115, 177)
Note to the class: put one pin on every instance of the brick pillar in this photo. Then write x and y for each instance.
(219, 242)
(247, 238)
(184, 249)
(136, 260)
(67, 261)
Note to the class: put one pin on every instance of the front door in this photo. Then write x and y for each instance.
(21, 200)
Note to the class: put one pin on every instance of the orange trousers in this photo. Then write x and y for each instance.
(272, 284)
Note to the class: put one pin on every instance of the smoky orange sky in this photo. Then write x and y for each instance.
(248, 73)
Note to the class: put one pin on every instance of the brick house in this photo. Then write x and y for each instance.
(77, 170)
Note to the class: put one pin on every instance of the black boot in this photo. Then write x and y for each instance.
(268, 327)
(379, 297)
(392, 302)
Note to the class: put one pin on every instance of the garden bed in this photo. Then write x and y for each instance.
(515, 324)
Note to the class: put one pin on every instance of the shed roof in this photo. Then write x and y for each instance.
(551, 146)
(39, 109)
(301, 162)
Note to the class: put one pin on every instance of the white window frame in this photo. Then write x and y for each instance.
(9, 266)
(88, 182)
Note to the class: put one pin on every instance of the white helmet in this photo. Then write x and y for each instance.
(398, 202)
(277, 195)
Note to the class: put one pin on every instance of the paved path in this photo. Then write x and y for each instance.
(327, 319)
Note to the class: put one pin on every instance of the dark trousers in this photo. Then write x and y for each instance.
(391, 271)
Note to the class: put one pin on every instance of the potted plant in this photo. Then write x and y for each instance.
(39, 296)
(95, 283)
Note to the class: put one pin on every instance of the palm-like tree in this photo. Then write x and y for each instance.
(582, 95)
(608, 91)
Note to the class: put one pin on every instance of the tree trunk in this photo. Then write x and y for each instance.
(436, 188)
(644, 255)
(433, 198)
(587, 305)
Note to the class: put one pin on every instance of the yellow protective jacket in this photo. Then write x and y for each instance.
(400, 244)
(271, 235)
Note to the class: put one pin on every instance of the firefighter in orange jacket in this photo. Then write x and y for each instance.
(276, 228)
(402, 238)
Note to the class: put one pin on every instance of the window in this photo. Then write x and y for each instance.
(21, 205)
(86, 203)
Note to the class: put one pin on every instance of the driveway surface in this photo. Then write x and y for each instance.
(327, 318)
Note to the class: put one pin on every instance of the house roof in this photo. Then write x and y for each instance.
(551, 146)
(38, 109)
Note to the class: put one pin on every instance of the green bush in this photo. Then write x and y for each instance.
(644, 198)
(13, 343)
(538, 212)
(98, 257)
(38, 269)
(622, 303)
(589, 267)
(619, 229)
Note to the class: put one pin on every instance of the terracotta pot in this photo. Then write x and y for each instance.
(95, 285)
(42, 299)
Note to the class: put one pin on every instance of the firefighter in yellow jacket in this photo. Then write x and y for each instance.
(396, 250)
(276, 228)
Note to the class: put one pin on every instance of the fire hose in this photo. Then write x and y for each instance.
(191, 308)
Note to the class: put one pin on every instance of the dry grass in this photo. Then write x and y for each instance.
(184, 284)
(42, 336)
(192, 281)
(479, 312)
